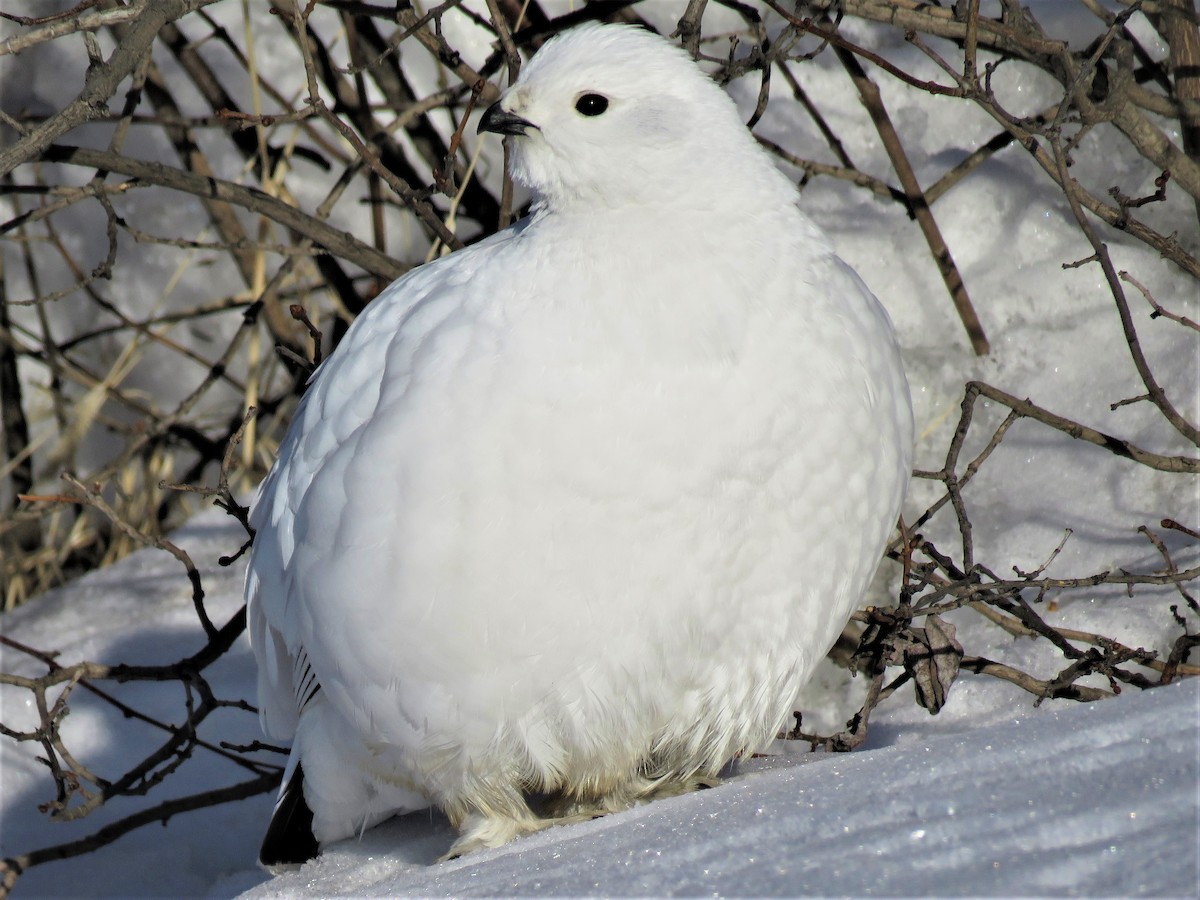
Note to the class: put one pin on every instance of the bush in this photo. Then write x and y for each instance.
(198, 203)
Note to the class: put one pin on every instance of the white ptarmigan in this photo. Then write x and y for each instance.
(573, 513)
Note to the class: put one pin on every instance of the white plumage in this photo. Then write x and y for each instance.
(576, 510)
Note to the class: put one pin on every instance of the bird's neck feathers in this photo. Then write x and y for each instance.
(759, 222)
(711, 179)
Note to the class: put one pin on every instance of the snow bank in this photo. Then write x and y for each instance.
(1083, 800)
(1065, 799)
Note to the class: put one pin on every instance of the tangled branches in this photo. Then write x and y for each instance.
(935, 584)
(78, 791)
(201, 202)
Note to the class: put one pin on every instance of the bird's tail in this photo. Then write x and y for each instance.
(289, 840)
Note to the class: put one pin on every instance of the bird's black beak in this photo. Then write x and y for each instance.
(501, 121)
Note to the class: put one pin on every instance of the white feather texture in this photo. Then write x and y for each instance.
(576, 510)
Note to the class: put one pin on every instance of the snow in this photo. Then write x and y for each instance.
(955, 815)
(1067, 799)
(990, 797)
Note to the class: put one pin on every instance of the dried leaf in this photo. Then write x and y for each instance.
(931, 655)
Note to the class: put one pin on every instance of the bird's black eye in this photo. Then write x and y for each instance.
(591, 104)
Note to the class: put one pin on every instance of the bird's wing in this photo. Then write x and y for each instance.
(342, 397)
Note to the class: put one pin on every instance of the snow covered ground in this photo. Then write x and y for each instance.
(1095, 800)
(1068, 799)
(990, 797)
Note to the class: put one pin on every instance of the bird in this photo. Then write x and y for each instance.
(569, 515)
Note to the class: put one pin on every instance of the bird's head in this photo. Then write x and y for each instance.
(613, 115)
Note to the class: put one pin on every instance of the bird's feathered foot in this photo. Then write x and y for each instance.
(478, 830)
(493, 816)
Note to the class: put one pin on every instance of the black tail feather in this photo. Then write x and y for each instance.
(289, 840)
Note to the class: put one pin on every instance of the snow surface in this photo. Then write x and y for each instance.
(1070, 799)
(956, 815)
(991, 796)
